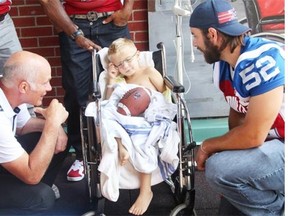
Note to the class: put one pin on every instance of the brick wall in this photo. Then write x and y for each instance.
(37, 35)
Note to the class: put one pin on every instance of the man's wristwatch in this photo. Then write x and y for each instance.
(77, 33)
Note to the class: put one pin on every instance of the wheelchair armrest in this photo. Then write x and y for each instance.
(174, 85)
(96, 94)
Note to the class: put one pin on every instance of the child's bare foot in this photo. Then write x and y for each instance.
(123, 155)
(142, 203)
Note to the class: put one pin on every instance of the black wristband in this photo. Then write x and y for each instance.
(76, 34)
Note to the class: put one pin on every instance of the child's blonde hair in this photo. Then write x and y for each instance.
(118, 44)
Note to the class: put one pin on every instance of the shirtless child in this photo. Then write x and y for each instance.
(121, 62)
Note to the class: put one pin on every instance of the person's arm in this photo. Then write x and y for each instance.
(112, 73)
(121, 17)
(251, 133)
(58, 16)
(31, 168)
(235, 119)
(34, 124)
(156, 79)
(37, 125)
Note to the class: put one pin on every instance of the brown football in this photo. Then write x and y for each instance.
(134, 102)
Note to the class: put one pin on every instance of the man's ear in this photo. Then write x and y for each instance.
(23, 87)
(213, 34)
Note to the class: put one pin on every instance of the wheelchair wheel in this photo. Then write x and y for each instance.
(181, 210)
(91, 157)
(92, 213)
(272, 36)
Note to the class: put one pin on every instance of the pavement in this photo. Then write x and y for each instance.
(74, 198)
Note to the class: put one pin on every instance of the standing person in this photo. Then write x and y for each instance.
(9, 42)
(250, 73)
(31, 148)
(83, 26)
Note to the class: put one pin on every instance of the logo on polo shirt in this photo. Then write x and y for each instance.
(1, 109)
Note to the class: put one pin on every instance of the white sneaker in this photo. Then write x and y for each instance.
(76, 171)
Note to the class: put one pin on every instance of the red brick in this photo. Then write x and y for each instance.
(23, 21)
(140, 15)
(14, 11)
(53, 71)
(142, 46)
(56, 81)
(36, 31)
(18, 2)
(138, 26)
(49, 41)
(141, 4)
(50, 93)
(55, 61)
(60, 91)
(141, 36)
(32, 10)
(47, 101)
(29, 42)
(43, 20)
(45, 52)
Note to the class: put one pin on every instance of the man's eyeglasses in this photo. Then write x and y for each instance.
(127, 60)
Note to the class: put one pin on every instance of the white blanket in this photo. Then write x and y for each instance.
(152, 142)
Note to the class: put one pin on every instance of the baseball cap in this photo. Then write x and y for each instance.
(218, 14)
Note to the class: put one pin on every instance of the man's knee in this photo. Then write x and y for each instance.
(213, 171)
(34, 199)
(44, 199)
(41, 198)
(217, 171)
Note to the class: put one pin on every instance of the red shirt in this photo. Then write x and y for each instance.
(82, 7)
(5, 6)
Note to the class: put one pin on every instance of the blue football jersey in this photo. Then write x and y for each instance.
(259, 69)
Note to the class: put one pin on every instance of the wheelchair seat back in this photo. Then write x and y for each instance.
(265, 15)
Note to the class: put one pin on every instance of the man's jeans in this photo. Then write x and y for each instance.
(252, 180)
(18, 198)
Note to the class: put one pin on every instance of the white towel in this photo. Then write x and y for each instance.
(145, 140)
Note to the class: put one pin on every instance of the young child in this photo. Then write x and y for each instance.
(123, 59)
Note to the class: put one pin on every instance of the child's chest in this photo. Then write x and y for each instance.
(141, 81)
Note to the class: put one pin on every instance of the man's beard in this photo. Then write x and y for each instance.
(211, 53)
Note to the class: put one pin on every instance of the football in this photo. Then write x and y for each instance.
(134, 102)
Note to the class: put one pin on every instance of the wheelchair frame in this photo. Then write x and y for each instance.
(181, 182)
(255, 19)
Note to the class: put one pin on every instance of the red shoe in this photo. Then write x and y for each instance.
(76, 171)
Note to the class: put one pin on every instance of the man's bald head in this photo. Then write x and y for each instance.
(23, 65)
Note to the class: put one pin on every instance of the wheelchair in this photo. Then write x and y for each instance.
(265, 16)
(182, 180)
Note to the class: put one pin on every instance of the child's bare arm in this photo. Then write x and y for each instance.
(112, 73)
(157, 79)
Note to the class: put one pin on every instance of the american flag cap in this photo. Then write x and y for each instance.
(218, 14)
(226, 16)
